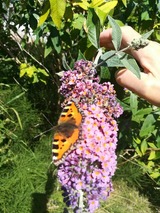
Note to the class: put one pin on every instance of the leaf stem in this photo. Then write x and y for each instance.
(115, 53)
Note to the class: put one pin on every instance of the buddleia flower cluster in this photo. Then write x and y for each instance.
(86, 174)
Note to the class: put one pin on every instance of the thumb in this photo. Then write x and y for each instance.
(127, 79)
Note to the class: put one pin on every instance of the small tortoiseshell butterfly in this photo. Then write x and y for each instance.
(66, 132)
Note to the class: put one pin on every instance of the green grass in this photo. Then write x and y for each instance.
(28, 180)
(125, 199)
(30, 185)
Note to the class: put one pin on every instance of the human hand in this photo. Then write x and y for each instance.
(148, 86)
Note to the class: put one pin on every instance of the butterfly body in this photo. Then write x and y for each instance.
(67, 131)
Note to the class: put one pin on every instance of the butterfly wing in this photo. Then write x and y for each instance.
(71, 114)
(67, 132)
(62, 144)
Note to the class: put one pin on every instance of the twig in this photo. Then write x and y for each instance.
(30, 55)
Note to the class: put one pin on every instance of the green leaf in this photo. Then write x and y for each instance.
(35, 78)
(144, 146)
(83, 4)
(96, 3)
(18, 117)
(130, 63)
(147, 35)
(30, 71)
(57, 11)
(158, 141)
(105, 74)
(143, 112)
(152, 145)
(64, 63)
(80, 56)
(138, 151)
(155, 175)
(15, 98)
(26, 69)
(103, 10)
(133, 103)
(147, 127)
(55, 39)
(47, 50)
(110, 59)
(23, 67)
(93, 26)
(45, 13)
(139, 115)
(116, 33)
(124, 2)
(43, 72)
(152, 155)
(78, 21)
(137, 140)
(145, 15)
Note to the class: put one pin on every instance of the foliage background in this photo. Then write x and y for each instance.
(39, 39)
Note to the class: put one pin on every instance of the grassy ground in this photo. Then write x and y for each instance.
(31, 186)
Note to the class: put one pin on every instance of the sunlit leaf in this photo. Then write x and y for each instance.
(83, 4)
(96, 3)
(104, 10)
(23, 67)
(137, 140)
(78, 22)
(152, 155)
(145, 15)
(57, 11)
(45, 13)
(124, 2)
(138, 151)
(152, 145)
(144, 146)
(30, 71)
(155, 175)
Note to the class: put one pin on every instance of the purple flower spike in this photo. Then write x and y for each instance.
(86, 172)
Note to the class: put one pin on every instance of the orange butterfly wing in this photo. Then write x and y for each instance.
(69, 113)
(67, 131)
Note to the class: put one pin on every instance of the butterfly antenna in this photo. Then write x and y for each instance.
(47, 120)
(43, 132)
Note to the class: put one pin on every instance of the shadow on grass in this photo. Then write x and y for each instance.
(40, 200)
(152, 191)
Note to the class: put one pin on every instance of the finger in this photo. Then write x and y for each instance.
(128, 34)
(106, 39)
(143, 87)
